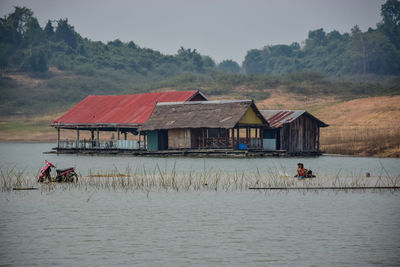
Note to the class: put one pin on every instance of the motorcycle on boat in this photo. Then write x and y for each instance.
(63, 175)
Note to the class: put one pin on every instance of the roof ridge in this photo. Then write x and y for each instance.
(204, 102)
(186, 91)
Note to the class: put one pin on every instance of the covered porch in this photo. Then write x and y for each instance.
(99, 138)
(241, 137)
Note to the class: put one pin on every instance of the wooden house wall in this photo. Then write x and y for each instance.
(301, 135)
(179, 138)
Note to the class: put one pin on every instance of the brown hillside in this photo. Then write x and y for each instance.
(367, 126)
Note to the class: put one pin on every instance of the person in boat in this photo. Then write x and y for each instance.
(301, 171)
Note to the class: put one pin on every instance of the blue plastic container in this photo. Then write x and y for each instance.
(242, 146)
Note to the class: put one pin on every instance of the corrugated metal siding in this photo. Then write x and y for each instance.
(119, 109)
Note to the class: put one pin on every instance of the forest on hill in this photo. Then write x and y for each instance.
(47, 69)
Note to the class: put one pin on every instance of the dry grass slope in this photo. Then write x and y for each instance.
(366, 127)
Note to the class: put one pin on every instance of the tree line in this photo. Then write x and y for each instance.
(376, 51)
(26, 46)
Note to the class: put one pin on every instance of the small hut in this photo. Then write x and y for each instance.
(295, 131)
(205, 125)
(122, 114)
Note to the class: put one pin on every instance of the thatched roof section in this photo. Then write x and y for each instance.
(205, 114)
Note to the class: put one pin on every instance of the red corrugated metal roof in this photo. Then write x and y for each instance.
(119, 109)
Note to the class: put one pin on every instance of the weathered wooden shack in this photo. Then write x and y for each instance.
(122, 114)
(295, 131)
(205, 125)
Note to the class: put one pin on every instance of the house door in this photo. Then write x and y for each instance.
(163, 140)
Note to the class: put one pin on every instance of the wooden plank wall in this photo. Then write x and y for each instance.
(301, 135)
(179, 138)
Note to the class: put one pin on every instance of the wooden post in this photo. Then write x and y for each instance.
(238, 137)
(92, 135)
(202, 137)
(125, 135)
(145, 141)
(58, 137)
(77, 137)
(139, 141)
(98, 138)
(262, 137)
(233, 138)
(247, 135)
(118, 134)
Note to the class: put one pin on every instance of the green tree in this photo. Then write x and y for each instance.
(49, 29)
(254, 62)
(229, 66)
(390, 26)
(390, 12)
(65, 32)
(14, 26)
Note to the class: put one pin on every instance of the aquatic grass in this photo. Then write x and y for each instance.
(142, 179)
(13, 178)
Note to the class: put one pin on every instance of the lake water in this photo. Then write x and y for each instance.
(30, 157)
(198, 228)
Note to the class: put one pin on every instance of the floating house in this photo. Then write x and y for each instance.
(295, 131)
(183, 123)
(233, 125)
(122, 114)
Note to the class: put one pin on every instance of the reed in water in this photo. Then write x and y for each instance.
(158, 179)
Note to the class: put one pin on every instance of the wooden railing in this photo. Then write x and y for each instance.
(224, 142)
(215, 142)
(110, 144)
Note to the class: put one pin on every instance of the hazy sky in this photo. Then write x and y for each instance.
(221, 29)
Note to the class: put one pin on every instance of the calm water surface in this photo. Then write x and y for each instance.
(30, 157)
(201, 228)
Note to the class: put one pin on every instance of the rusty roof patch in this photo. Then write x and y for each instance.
(276, 118)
